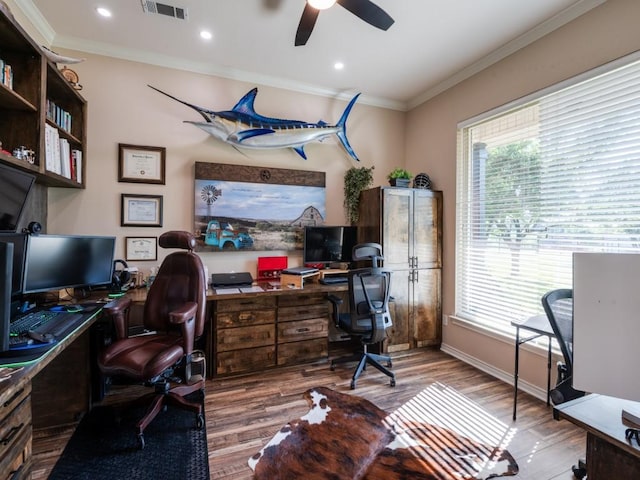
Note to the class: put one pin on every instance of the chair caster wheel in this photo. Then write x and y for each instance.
(389, 364)
(140, 441)
(332, 367)
(353, 385)
(200, 421)
(393, 382)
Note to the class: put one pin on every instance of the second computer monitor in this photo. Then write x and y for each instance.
(55, 262)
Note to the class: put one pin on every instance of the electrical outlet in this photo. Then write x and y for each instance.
(445, 319)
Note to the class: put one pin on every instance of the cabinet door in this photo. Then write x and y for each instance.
(426, 308)
(426, 232)
(397, 229)
(398, 335)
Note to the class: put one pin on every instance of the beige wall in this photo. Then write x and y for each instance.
(122, 109)
(602, 35)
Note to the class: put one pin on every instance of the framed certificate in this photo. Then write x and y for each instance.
(141, 210)
(138, 164)
(141, 248)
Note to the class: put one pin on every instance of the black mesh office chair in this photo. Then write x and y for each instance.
(558, 305)
(368, 316)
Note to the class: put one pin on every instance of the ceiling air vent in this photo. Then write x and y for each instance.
(163, 9)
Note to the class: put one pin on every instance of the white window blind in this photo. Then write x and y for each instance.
(556, 175)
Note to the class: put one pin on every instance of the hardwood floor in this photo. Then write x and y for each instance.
(243, 413)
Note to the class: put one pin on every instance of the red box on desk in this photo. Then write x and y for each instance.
(269, 268)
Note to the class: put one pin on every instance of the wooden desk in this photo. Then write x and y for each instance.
(38, 393)
(262, 329)
(540, 326)
(609, 454)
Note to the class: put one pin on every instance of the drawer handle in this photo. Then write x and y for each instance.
(302, 330)
(12, 433)
(15, 395)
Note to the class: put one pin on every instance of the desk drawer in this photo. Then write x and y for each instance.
(249, 303)
(303, 330)
(240, 361)
(244, 318)
(15, 440)
(307, 351)
(228, 339)
(302, 312)
(302, 299)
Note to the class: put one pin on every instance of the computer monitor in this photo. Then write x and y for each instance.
(6, 272)
(19, 241)
(15, 186)
(55, 262)
(606, 324)
(324, 245)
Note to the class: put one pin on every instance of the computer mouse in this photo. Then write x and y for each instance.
(42, 337)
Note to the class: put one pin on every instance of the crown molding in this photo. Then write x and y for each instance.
(536, 33)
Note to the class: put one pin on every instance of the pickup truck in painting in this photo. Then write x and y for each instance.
(222, 235)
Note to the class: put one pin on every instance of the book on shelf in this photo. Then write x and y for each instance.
(57, 115)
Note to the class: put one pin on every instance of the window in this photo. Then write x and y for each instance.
(554, 175)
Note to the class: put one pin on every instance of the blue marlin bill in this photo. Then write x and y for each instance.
(243, 127)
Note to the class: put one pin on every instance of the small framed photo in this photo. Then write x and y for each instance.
(141, 248)
(141, 210)
(138, 164)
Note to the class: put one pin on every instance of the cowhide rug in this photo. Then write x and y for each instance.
(345, 437)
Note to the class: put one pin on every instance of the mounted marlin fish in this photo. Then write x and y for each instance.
(243, 127)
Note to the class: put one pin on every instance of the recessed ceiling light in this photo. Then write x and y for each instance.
(321, 4)
(206, 35)
(338, 65)
(103, 11)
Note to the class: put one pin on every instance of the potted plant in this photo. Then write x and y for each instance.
(356, 179)
(399, 177)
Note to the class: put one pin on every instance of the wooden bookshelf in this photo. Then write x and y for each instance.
(23, 117)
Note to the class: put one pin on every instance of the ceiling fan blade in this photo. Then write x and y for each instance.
(369, 12)
(307, 22)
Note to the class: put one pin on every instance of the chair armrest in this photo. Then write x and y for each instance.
(183, 313)
(185, 317)
(335, 300)
(118, 310)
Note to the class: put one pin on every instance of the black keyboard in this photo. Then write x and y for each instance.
(40, 329)
(334, 280)
(32, 320)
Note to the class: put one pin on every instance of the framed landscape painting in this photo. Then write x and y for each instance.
(254, 208)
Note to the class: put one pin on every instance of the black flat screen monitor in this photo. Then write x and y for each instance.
(6, 269)
(15, 186)
(55, 262)
(19, 241)
(329, 244)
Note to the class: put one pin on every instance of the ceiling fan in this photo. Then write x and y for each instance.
(363, 9)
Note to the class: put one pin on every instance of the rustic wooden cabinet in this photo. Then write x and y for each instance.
(253, 332)
(26, 111)
(407, 223)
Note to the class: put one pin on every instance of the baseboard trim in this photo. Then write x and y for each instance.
(507, 377)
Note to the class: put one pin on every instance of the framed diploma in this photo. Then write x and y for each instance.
(137, 164)
(141, 210)
(141, 248)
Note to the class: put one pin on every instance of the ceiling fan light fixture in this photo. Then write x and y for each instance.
(321, 4)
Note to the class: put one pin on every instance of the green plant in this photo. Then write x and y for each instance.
(399, 173)
(356, 179)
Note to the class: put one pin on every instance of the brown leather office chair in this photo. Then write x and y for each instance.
(175, 312)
